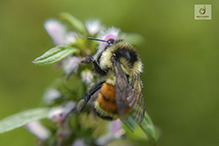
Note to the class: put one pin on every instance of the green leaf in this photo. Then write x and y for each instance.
(148, 127)
(22, 118)
(130, 123)
(77, 24)
(137, 135)
(54, 55)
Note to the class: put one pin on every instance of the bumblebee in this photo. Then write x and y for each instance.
(120, 96)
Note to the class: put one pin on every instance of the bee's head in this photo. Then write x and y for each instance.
(121, 52)
(110, 42)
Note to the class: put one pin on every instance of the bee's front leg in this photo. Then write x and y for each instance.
(89, 59)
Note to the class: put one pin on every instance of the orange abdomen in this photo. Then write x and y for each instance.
(107, 98)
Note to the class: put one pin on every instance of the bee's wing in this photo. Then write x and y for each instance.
(122, 92)
(129, 95)
(138, 107)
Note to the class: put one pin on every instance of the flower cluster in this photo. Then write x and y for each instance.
(60, 94)
(59, 122)
(71, 47)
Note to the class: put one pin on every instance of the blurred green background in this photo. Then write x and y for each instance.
(180, 57)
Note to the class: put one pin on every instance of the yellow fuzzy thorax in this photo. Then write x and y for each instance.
(107, 64)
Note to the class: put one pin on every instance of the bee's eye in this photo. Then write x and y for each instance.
(111, 41)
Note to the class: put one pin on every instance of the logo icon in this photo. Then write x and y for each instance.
(202, 12)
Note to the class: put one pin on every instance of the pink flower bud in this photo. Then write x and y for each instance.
(110, 33)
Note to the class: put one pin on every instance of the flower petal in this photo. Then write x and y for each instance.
(38, 130)
(116, 126)
(110, 33)
(93, 26)
(56, 30)
(71, 37)
(79, 142)
(51, 94)
(59, 114)
(87, 76)
(71, 64)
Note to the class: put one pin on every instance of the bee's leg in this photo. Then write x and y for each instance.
(89, 59)
(81, 104)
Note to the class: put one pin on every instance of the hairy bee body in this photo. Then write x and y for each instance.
(105, 104)
(128, 58)
(121, 96)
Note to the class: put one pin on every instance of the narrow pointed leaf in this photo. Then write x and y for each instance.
(130, 123)
(77, 24)
(22, 118)
(148, 127)
(54, 55)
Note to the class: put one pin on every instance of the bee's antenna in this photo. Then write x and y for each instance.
(90, 38)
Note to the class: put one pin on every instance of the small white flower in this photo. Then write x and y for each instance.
(69, 106)
(115, 131)
(71, 64)
(56, 31)
(58, 114)
(71, 37)
(93, 26)
(87, 76)
(121, 134)
(79, 142)
(38, 130)
(51, 94)
(115, 126)
(110, 33)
